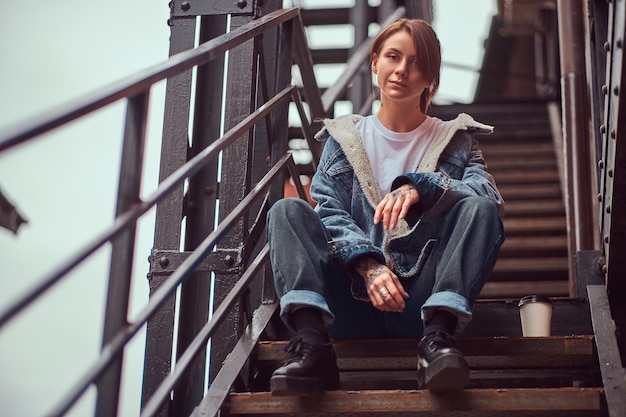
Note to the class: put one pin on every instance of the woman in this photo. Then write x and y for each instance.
(406, 228)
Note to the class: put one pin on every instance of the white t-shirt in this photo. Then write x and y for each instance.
(391, 153)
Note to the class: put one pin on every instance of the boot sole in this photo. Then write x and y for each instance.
(281, 385)
(446, 373)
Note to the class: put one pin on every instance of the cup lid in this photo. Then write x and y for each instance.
(533, 299)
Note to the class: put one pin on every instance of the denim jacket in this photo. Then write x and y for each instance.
(347, 194)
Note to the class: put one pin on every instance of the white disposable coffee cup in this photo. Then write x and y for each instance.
(536, 315)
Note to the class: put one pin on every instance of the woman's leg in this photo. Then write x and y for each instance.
(457, 269)
(463, 258)
(299, 255)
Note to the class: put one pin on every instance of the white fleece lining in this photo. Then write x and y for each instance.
(343, 130)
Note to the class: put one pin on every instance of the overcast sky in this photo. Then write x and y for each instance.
(65, 185)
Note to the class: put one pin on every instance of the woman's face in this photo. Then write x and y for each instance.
(397, 70)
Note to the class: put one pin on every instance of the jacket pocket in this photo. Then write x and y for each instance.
(410, 253)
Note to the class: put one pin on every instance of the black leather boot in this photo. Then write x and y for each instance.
(440, 366)
(310, 368)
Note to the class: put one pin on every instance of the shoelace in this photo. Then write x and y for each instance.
(296, 349)
(440, 340)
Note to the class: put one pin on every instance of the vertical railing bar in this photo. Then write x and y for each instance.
(302, 57)
(293, 171)
(306, 129)
(357, 18)
(264, 89)
(195, 294)
(236, 173)
(258, 225)
(604, 225)
(169, 212)
(279, 144)
(576, 133)
(123, 247)
(269, 65)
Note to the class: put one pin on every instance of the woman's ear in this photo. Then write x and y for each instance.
(375, 64)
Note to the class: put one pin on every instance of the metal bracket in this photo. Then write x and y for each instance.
(223, 261)
(187, 8)
(590, 266)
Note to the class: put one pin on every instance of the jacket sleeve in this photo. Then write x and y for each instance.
(461, 172)
(332, 190)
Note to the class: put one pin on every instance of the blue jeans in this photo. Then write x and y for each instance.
(466, 250)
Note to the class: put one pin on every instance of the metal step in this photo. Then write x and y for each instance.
(513, 192)
(509, 376)
(520, 288)
(516, 402)
(535, 226)
(534, 208)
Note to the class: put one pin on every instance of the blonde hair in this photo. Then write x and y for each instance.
(427, 49)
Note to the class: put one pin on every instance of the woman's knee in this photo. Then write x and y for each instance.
(478, 213)
(288, 209)
(480, 207)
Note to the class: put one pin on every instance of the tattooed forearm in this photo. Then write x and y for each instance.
(370, 269)
(406, 189)
(372, 274)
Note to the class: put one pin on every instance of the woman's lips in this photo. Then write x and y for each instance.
(398, 83)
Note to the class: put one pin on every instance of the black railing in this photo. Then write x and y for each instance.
(105, 372)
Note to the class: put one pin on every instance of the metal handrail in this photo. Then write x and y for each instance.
(141, 81)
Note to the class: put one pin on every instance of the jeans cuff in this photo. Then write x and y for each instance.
(295, 298)
(452, 302)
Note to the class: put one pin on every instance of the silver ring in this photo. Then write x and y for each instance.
(384, 292)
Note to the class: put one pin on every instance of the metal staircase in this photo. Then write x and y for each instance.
(209, 236)
(556, 376)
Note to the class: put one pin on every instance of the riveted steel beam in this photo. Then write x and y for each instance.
(223, 261)
(187, 8)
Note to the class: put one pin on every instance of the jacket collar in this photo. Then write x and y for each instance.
(343, 130)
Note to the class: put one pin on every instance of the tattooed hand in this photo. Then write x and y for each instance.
(378, 277)
(395, 206)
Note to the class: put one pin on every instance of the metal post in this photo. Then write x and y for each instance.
(596, 39)
(235, 184)
(265, 134)
(578, 199)
(122, 250)
(361, 85)
(169, 213)
(195, 292)
(278, 148)
(614, 167)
